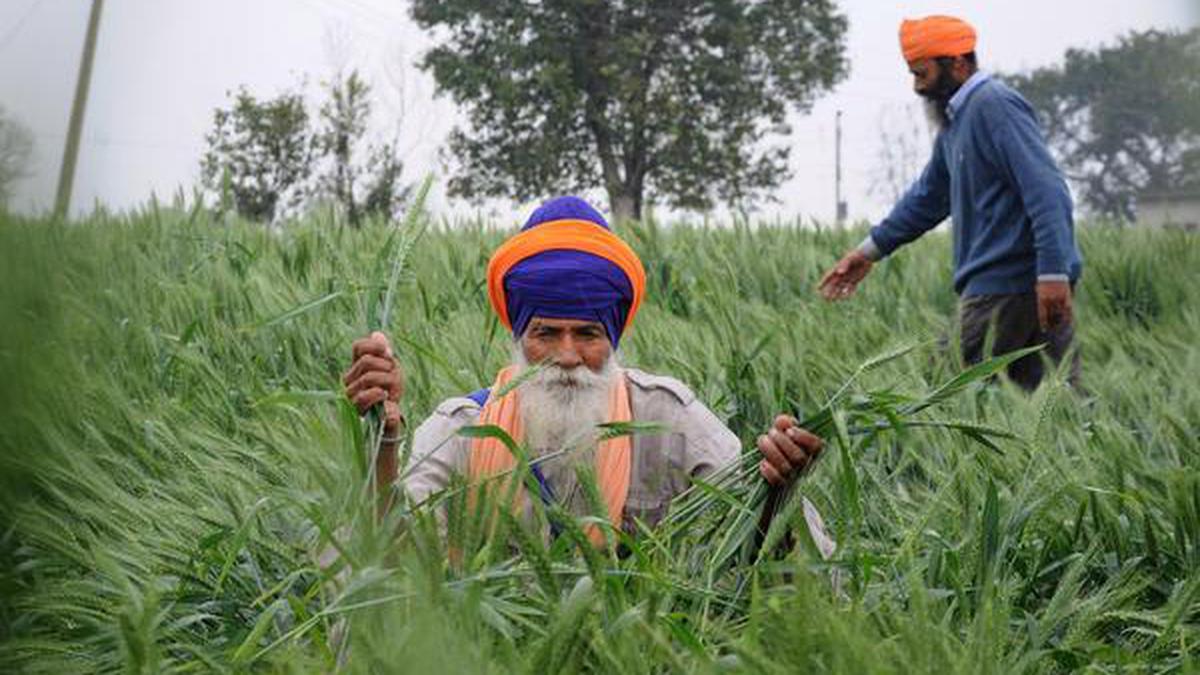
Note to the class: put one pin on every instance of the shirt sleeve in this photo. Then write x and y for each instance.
(1030, 170)
(437, 452)
(926, 204)
(709, 445)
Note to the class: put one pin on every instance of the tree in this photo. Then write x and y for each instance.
(672, 99)
(260, 153)
(1123, 120)
(344, 117)
(16, 147)
(266, 156)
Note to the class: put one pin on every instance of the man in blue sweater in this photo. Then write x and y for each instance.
(1015, 258)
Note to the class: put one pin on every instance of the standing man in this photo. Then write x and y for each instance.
(1015, 258)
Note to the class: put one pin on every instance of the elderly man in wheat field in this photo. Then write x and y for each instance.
(569, 288)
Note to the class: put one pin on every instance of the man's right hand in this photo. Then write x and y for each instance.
(375, 377)
(839, 283)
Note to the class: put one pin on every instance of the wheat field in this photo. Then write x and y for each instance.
(174, 452)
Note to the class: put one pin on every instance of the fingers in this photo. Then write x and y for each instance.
(839, 284)
(838, 288)
(376, 345)
(788, 443)
(773, 455)
(787, 449)
(770, 474)
(840, 281)
(374, 376)
(783, 453)
(368, 398)
(368, 363)
(809, 441)
(387, 381)
(829, 282)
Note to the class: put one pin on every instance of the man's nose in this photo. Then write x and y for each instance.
(567, 355)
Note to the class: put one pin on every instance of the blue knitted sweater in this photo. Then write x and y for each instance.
(1010, 207)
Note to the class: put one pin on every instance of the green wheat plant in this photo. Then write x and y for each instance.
(182, 480)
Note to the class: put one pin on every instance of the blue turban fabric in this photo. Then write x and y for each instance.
(565, 283)
(565, 208)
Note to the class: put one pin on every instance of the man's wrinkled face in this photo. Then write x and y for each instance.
(565, 400)
(566, 343)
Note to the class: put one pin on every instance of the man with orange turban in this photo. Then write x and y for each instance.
(1015, 258)
(569, 288)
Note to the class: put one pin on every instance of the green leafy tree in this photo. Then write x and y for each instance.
(267, 159)
(260, 153)
(360, 187)
(16, 147)
(1124, 119)
(669, 99)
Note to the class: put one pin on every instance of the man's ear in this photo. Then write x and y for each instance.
(962, 68)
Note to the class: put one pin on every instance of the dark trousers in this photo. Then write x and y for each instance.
(1009, 322)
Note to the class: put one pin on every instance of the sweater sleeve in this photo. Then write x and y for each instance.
(926, 204)
(1031, 171)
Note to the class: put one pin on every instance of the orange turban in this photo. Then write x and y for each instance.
(935, 36)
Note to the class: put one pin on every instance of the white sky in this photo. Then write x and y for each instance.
(162, 66)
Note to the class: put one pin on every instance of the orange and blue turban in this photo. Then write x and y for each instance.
(566, 263)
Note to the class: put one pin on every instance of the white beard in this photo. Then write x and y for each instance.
(560, 410)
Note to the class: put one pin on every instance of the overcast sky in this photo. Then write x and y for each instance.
(162, 66)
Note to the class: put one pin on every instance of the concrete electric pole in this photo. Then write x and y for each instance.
(839, 205)
(66, 176)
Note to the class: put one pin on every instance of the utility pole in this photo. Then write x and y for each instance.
(66, 176)
(839, 205)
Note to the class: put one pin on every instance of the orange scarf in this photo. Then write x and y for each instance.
(489, 456)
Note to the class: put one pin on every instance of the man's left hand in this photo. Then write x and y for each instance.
(1054, 304)
(787, 450)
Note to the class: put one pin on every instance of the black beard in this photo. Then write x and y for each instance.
(935, 112)
(938, 97)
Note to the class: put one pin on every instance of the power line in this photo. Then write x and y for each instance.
(12, 33)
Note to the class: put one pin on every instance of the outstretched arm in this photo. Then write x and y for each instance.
(926, 204)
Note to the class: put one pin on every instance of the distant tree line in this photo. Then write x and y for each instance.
(684, 102)
(1123, 120)
(266, 158)
(16, 148)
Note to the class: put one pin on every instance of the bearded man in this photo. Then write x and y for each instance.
(568, 288)
(1015, 259)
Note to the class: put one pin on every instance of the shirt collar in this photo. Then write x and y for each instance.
(960, 97)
